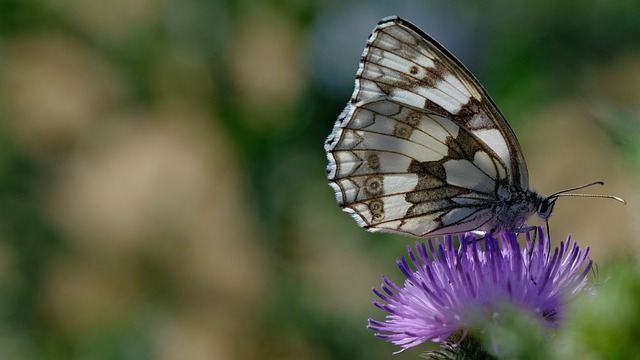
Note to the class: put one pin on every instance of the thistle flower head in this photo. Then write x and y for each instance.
(450, 289)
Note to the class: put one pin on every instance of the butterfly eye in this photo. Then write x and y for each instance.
(545, 208)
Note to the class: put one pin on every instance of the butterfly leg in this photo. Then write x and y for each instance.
(527, 230)
(531, 241)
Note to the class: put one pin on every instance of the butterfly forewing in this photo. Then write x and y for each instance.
(410, 153)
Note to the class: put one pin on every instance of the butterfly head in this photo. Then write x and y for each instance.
(545, 207)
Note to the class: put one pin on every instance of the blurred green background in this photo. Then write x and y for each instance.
(162, 172)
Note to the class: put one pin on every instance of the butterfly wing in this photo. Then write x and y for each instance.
(420, 148)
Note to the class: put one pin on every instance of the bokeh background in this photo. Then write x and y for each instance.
(162, 173)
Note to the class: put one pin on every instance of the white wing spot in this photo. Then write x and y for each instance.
(483, 161)
(458, 214)
(346, 190)
(348, 161)
(447, 124)
(462, 88)
(408, 97)
(387, 108)
(441, 98)
(467, 175)
(404, 66)
(400, 183)
(350, 140)
(498, 143)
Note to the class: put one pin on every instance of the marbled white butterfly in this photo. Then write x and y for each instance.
(421, 149)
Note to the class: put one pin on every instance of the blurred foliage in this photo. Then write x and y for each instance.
(162, 182)
(606, 325)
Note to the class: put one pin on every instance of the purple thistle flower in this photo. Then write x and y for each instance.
(463, 287)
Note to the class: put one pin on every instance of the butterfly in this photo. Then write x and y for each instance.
(421, 149)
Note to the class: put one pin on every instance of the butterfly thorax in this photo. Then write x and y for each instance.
(513, 208)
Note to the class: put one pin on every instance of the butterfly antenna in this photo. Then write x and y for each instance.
(567, 192)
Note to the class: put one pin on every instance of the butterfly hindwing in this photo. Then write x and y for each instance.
(402, 170)
(410, 153)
